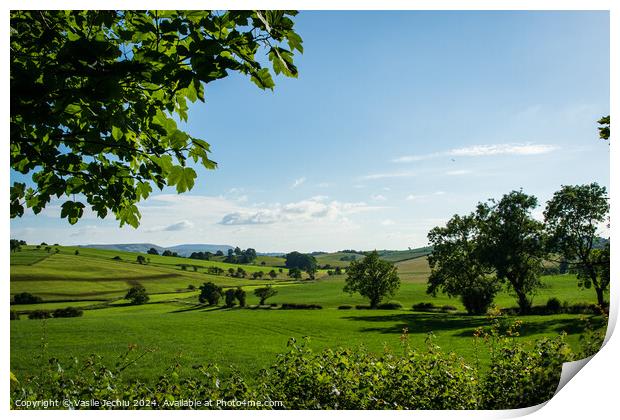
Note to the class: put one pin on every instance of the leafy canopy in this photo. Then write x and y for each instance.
(572, 217)
(95, 96)
(456, 265)
(372, 278)
(511, 241)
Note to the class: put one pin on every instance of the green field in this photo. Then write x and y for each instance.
(179, 328)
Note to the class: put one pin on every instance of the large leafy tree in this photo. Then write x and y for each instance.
(572, 217)
(95, 96)
(372, 278)
(512, 242)
(301, 261)
(456, 265)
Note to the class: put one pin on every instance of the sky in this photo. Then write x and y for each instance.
(397, 121)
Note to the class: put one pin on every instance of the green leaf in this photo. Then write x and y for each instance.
(262, 79)
(143, 189)
(117, 133)
(72, 211)
(182, 177)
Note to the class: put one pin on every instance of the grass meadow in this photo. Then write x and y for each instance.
(180, 330)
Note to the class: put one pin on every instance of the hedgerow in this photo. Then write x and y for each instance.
(520, 374)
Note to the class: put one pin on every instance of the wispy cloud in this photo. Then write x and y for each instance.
(423, 197)
(378, 197)
(517, 149)
(310, 210)
(402, 174)
(298, 182)
(174, 227)
(459, 172)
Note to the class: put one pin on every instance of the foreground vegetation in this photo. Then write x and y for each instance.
(518, 375)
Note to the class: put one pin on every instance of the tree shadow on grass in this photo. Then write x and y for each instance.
(199, 307)
(417, 323)
(465, 326)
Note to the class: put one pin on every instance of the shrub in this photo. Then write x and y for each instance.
(390, 305)
(210, 292)
(554, 306)
(423, 306)
(40, 314)
(357, 379)
(520, 376)
(345, 307)
(362, 307)
(116, 258)
(300, 306)
(137, 295)
(264, 293)
(448, 308)
(240, 295)
(14, 316)
(68, 312)
(478, 299)
(191, 287)
(26, 298)
(230, 296)
(77, 252)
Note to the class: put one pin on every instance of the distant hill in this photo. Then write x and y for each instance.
(395, 256)
(187, 249)
(184, 250)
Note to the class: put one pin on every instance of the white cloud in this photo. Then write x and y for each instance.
(182, 225)
(516, 149)
(311, 210)
(388, 222)
(458, 172)
(423, 197)
(504, 149)
(402, 174)
(378, 197)
(298, 182)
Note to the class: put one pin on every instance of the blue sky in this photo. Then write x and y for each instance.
(397, 121)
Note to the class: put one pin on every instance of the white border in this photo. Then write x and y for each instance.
(592, 394)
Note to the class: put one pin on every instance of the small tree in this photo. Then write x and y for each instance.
(240, 295)
(152, 251)
(264, 293)
(311, 273)
(141, 259)
(211, 293)
(77, 252)
(373, 278)
(257, 275)
(231, 271)
(230, 296)
(294, 273)
(337, 271)
(26, 298)
(137, 295)
(572, 217)
(273, 274)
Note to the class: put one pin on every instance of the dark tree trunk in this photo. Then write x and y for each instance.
(524, 303)
(600, 297)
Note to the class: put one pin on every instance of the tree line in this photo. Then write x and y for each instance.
(501, 245)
